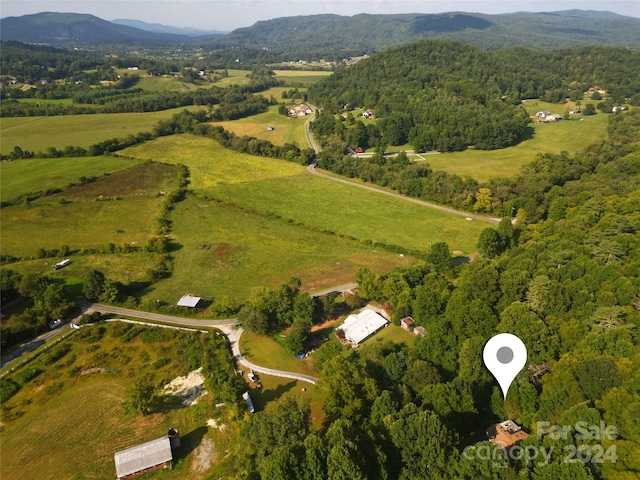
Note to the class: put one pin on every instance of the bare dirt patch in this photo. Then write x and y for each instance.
(190, 387)
(204, 456)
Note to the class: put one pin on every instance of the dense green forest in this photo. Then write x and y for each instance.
(567, 286)
(448, 96)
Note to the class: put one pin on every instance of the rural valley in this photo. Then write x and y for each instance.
(280, 252)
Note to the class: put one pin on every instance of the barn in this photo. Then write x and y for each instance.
(143, 458)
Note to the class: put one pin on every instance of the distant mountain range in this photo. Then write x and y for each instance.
(159, 28)
(362, 33)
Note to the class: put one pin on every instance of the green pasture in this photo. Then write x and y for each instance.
(40, 174)
(54, 101)
(263, 350)
(36, 134)
(223, 250)
(302, 78)
(78, 224)
(166, 83)
(566, 135)
(72, 411)
(285, 129)
(120, 267)
(235, 77)
(121, 209)
(288, 190)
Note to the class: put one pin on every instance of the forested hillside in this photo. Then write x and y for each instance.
(447, 96)
(568, 287)
(337, 36)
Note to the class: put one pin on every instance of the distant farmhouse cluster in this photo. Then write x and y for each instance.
(546, 117)
(300, 110)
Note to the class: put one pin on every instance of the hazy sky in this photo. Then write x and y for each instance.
(227, 15)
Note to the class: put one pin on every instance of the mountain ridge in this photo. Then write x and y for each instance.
(350, 35)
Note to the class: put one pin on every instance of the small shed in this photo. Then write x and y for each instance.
(408, 324)
(247, 398)
(189, 301)
(143, 458)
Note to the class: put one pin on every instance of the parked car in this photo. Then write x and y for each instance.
(253, 377)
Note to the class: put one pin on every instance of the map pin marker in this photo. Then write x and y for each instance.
(504, 355)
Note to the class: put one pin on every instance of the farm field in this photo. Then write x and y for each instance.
(222, 250)
(566, 135)
(89, 216)
(74, 407)
(36, 134)
(285, 129)
(301, 77)
(286, 189)
(79, 225)
(40, 174)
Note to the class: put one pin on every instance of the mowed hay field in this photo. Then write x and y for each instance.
(36, 134)
(289, 191)
(285, 129)
(301, 77)
(223, 250)
(20, 177)
(565, 135)
(120, 208)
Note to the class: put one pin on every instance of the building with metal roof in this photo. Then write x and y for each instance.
(143, 458)
(357, 328)
(189, 301)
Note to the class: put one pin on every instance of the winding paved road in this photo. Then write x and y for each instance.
(226, 326)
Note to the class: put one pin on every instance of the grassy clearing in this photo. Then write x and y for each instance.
(247, 250)
(286, 189)
(566, 135)
(165, 83)
(88, 216)
(286, 129)
(77, 224)
(235, 77)
(263, 350)
(25, 176)
(301, 77)
(54, 101)
(276, 388)
(74, 409)
(36, 134)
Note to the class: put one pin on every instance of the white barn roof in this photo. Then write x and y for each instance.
(148, 455)
(358, 328)
(189, 301)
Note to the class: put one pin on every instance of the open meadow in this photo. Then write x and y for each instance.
(285, 189)
(285, 129)
(21, 177)
(223, 250)
(36, 134)
(121, 208)
(71, 405)
(301, 78)
(565, 135)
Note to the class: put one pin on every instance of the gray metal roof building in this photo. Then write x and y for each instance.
(144, 457)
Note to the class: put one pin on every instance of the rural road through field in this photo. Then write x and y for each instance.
(224, 325)
(312, 169)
